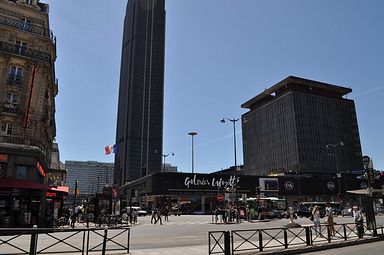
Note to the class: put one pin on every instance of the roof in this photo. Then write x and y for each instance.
(301, 82)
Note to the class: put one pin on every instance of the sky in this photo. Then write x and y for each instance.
(218, 55)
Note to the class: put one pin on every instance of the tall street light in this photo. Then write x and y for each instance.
(164, 156)
(192, 134)
(334, 154)
(234, 120)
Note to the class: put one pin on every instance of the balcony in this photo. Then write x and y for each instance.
(10, 108)
(23, 51)
(18, 140)
(15, 80)
(21, 25)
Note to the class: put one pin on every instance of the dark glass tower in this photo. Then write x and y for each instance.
(139, 132)
(302, 126)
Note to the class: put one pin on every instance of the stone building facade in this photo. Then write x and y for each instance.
(27, 109)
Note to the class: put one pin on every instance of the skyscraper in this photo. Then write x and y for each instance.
(139, 132)
(300, 125)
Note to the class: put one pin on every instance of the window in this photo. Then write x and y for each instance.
(12, 99)
(16, 71)
(25, 24)
(20, 47)
(21, 172)
(15, 76)
(29, 2)
(7, 128)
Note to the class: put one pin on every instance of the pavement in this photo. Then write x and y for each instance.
(203, 249)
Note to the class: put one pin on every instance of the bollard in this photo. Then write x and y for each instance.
(33, 246)
(227, 243)
(308, 236)
(105, 240)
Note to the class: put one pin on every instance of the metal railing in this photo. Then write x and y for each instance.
(15, 80)
(62, 241)
(274, 239)
(25, 26)
(27, 52)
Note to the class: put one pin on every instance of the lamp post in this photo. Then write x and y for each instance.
(164, 156)
(192, 134)
(234, 120)
(74, 198)
(334, 154)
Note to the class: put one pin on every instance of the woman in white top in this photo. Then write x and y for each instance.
(316, 219)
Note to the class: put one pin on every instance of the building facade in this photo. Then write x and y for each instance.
(27, 110)
(139, 129)
(91, 178)
(301, 126)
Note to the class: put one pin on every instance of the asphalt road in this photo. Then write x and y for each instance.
(190, 230)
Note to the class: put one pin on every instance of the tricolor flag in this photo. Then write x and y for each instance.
(110, 148)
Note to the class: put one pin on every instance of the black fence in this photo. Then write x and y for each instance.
(274, 239)
(62, 241)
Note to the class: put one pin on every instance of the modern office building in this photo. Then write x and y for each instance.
(140, 108)
(91, 178)
(27, 110)
(301, 126)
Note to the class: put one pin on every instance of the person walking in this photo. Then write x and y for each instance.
(359, 221)
(316, 220)
(153, 215)
(158, 217)
(330, 221)
(166, 212)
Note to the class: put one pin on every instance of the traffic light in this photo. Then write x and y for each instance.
(257, 189)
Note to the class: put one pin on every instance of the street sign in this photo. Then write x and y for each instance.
(219, 198)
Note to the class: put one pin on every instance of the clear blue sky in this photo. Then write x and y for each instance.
(219, 54)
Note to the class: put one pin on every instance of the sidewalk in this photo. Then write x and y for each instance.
(203, 249)
(186, 250)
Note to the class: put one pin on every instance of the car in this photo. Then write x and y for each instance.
(139, 210)
(347, 211)
(303, 212)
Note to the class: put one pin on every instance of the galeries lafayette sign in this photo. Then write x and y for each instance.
(195, 182)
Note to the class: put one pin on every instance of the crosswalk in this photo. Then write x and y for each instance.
(178, 223)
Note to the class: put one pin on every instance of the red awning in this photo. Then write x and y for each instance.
(21, 184)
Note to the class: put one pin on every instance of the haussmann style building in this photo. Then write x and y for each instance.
(27, 112)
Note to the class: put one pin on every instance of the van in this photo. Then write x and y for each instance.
(137, 209)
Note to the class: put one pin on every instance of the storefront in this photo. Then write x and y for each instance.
(197, 193)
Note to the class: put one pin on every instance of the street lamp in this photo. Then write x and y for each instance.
(164, 156)
(192, 134)
(233, 120)
(74, 198)
(334, 154)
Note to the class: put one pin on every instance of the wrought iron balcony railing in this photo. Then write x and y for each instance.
(24, 141)
(27, 52)
(15, 80)
(10, 108)
(24, 26)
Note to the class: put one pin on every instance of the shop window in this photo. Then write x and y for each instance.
(21, 172)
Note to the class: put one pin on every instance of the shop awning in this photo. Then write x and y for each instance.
(21, 184)
(365, 191)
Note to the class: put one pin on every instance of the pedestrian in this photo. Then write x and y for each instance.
(330, 222)
(73, 216)
(158, 217)
(166, 212)
(316, 220)
(359, 220)
(153, 215)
